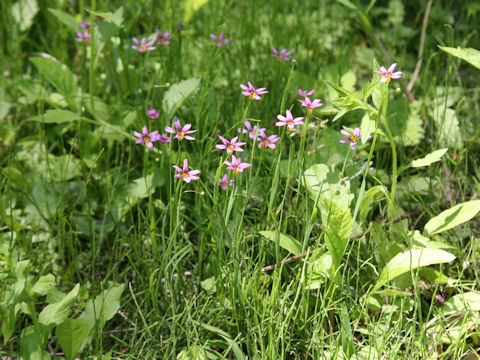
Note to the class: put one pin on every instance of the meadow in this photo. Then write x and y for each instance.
(219, 179)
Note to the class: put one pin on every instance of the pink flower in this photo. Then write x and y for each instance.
(179, 131)
(146, 138)
(251, 131)
(389, 74)
(143, 45)
(305, 93)
(268, 141)
(253, 93)
(164, 139)
(236, 165)
(230, 146)
(352, 138)
(163, 38)
(220, 40)
(224, 183)
(282, 54)
(83, 37)
(289, 121)
(184, 174)
(153, 114)
(84, 24)
(311, 105)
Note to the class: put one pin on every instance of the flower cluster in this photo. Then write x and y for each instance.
(85, 36)
(255, 133)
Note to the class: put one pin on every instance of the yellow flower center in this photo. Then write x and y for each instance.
(182, 135)
(309, 110)
(252, 95)
(146, 139)
(236, 171)
(388, 76)
(142, 47)
(231, 147)
(264, 143)
(354, 139)
(184, 175)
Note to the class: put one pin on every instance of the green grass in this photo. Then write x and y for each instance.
(81, 201)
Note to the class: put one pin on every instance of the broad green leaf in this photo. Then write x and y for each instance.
(56, 117)
(318, 268)
(70, 335)
(341, 90)
(338, 224)
(21, 271)
(193, 352)
(470, 55)
(325, 180)
(469, 301)
(65, 167)
(23, 12)
(368, 197)
(4, 109)
(143, 187)
(346, 331)
(333, 199)
(410, 260)
(287, 242)
(448, 128)
(190, 7)
(434, 276)
(405, 122)
(452, 217)
(56, 313)
(367, 127)
(31, 345)
(176, 95)
(43, 285)
(102, 308)
(58, 75)
(430, 158)
(66, 18)
(348, 80)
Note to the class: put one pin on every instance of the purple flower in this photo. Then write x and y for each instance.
(147, 138)
(251, 131)
(163, 38)
(224, 183)
(153, 114)
(143, 45)
(83, 37)
(305, 93)
(352, 138)
(179, 131)
(230, 146)
(253, 93)
(236, 165)
(268, 141)
(220, 40)
(84, 25)
(164, 139)
(389, 74)
(311, 105)
(184, 174)
(289, 121)
(282, 54)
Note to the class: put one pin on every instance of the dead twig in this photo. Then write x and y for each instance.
(420, 50)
